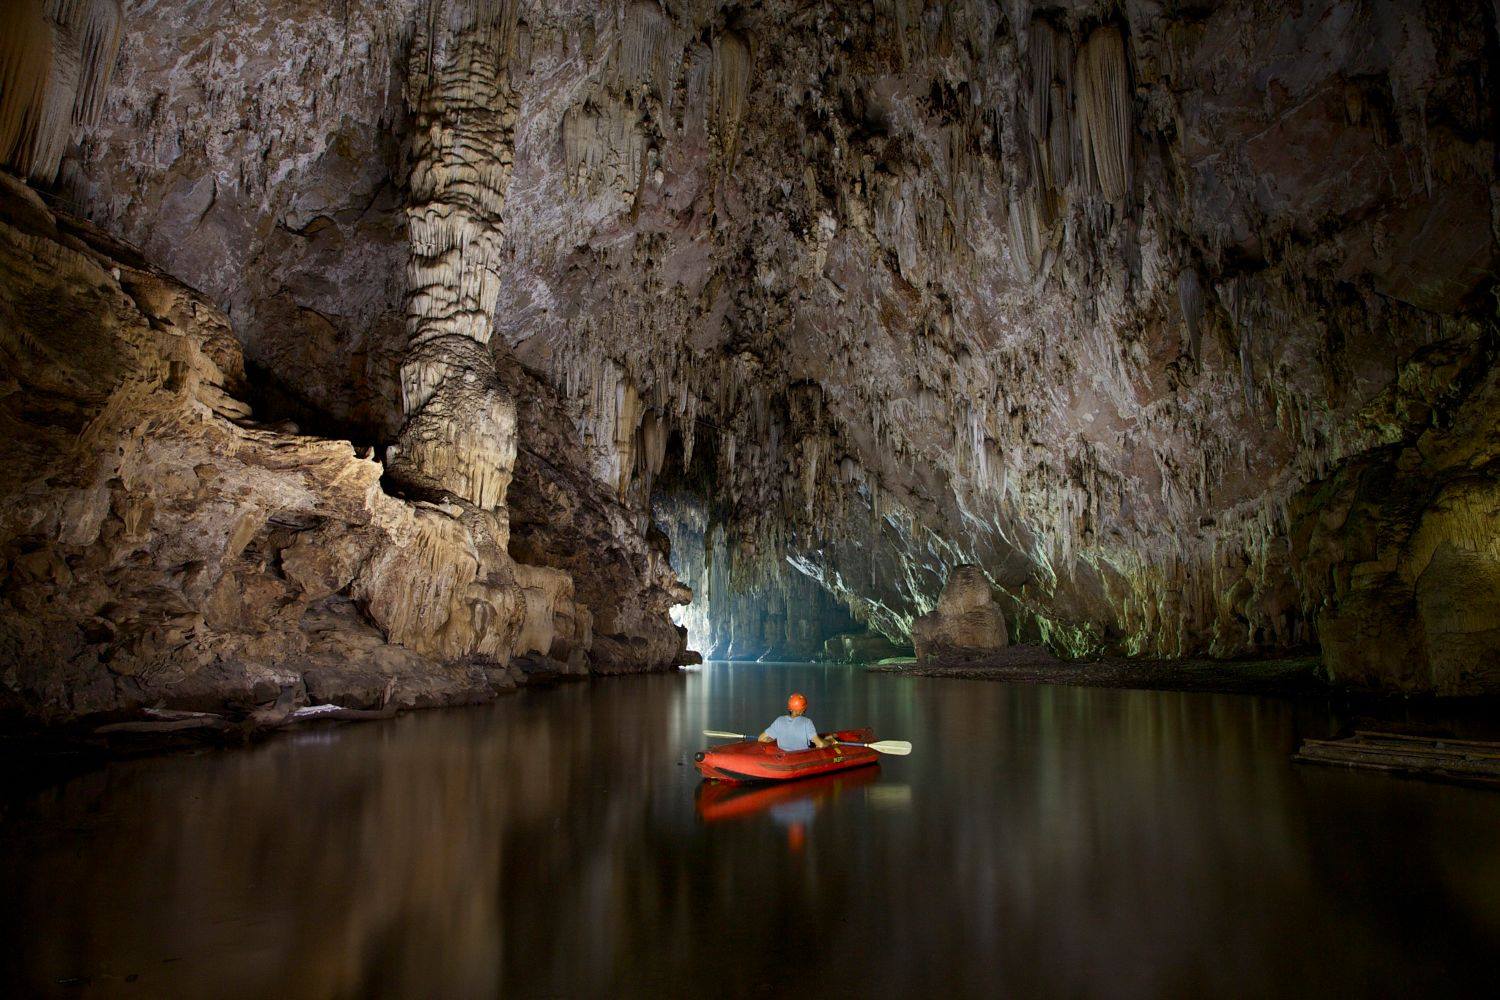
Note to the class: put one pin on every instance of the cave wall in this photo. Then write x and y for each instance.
(254, 150)
(172, 539)
(163, 548)
(1106, 299)
(1089, 296)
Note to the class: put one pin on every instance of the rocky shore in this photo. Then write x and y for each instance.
(1027, 664)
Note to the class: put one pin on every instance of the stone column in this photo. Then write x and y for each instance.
(460, 433)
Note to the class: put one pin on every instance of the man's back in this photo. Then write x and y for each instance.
(792, 732)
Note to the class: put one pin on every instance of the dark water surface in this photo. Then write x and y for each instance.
(1041, 841)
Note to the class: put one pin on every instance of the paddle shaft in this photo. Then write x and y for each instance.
(899, 748)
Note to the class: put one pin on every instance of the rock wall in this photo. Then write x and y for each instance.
(162, 548)
(1089, 297)
(254, 150)
(1106, 299)
(562, 517)
(1400, 545)
(862, 647)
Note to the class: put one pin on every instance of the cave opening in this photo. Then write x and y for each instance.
(747, 604)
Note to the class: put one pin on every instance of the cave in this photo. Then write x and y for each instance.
(1066, 379)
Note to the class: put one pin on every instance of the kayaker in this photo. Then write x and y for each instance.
(795, 731)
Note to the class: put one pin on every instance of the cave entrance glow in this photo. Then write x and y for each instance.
(750, 602)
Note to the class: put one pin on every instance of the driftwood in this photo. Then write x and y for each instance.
(337, 713)
(1474, 762)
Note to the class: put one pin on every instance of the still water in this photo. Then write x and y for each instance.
(1040, 841)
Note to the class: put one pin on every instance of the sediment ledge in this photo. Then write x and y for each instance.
(1035, 665)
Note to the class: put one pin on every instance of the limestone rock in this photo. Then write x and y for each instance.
(622, 586)
(1399, 549)
(159, 547)
(1095, 296)
(966, 622)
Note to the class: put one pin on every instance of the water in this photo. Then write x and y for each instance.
(1041, 841)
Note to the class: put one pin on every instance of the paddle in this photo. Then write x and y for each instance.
(898, 748)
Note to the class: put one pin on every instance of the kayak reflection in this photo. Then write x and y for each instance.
(787, 802)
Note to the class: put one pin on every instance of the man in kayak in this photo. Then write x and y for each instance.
(795, 731)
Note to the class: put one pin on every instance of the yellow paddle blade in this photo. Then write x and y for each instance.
(725, 736)
(899, 748)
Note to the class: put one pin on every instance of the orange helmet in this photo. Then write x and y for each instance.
(796, 703)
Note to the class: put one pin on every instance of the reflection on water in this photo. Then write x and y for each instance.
(792, 804)
(1040, 841)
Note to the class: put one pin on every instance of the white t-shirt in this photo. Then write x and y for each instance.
(792, 732)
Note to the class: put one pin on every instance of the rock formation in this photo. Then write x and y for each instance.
(1175, 320)
(460, 432)
(163, 548)
(1400, 545)
(966, 622)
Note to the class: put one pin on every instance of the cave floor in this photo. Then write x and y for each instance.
(1042, 840)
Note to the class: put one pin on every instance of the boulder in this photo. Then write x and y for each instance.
(966, 623)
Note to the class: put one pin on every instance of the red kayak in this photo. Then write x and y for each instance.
(750, 760)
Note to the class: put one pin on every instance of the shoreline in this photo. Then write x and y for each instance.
(1289, 676)
(79, 743)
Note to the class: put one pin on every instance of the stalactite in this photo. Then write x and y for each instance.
(1190, 300)
(1027, 231)
(1102, 81)
(56, 59)
(25, 61)
(96, 26)
(603, 148)
(1049, 115)
(731, 88)
(643, 57)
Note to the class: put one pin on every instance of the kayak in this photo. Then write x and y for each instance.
(718, 801)
(749, 760)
